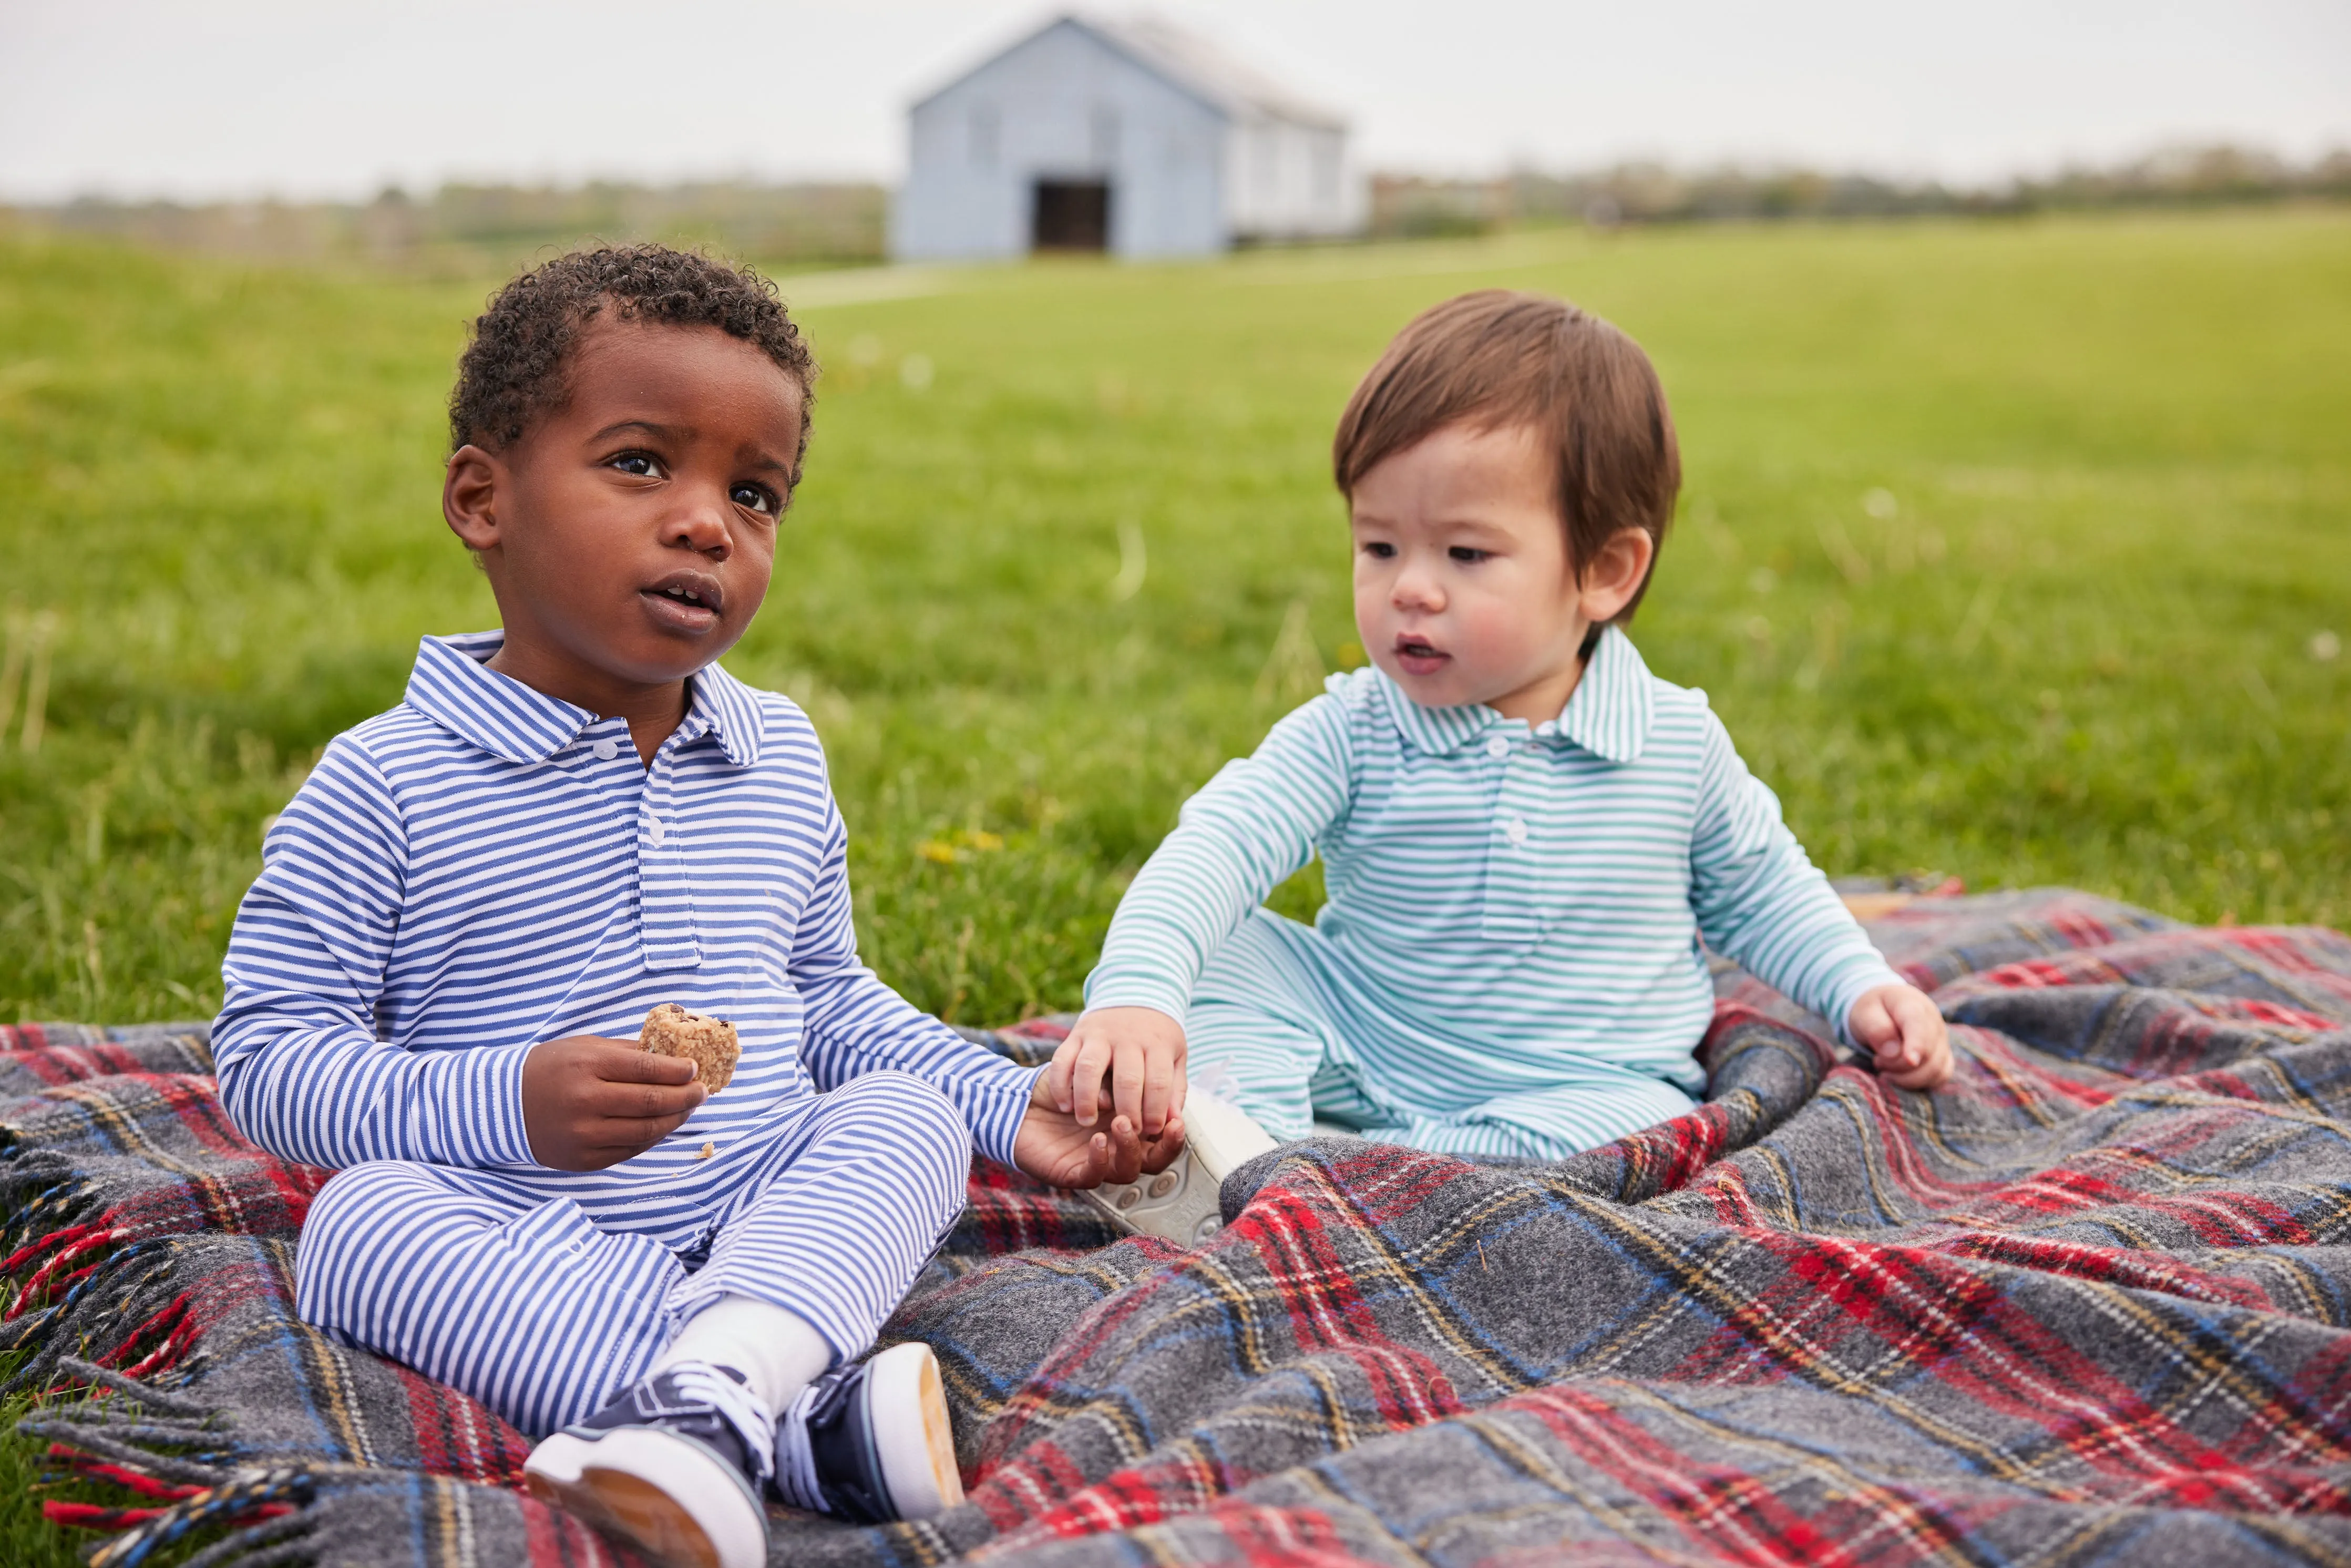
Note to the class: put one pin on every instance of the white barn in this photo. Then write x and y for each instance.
(1136, 138)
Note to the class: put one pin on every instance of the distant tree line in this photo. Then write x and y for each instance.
(1655, 192)
(468, 227)
(472, 228)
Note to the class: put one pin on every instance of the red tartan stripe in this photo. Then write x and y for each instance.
(114, 1110)
(1295, 1537)
(2309, 952)
(2318, 960)
(2126, 1267)
(133, 1480)
(71, 1063)
(1920, 1313)
(1319, 1297)
(560, 1540)
(1727, 1513)
(1009, 1212)
(457, 1437)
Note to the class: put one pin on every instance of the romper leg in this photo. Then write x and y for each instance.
(1254, 1015)
(528, 1308)
(862, 1192)
(1550, 1124)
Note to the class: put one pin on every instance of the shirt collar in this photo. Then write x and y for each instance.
(1609, 713)
(454, 684)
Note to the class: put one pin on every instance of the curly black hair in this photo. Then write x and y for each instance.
(514, 371)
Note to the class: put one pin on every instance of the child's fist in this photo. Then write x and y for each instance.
(1141, 1049)
(588, 1102)
(1906, 1032)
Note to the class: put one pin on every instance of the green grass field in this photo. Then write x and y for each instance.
(2071, 640)
(2020, 553)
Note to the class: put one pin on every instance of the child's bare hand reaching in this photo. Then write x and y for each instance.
(1055, 1148)
(1135, 1053)
(1906, 1032)
(1121, 1066)
(588, 1102)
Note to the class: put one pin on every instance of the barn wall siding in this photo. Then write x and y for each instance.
(1189, 172)
(1291, 182)
(1061, 106)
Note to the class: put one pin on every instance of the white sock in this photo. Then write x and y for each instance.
(777, 1352)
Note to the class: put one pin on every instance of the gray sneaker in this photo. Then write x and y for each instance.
(1180, 1202)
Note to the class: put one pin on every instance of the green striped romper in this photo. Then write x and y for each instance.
(1510, 961)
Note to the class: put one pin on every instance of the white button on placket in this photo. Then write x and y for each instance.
(606, 750)
(1499, 746)
(1515, 830)
(660, 834)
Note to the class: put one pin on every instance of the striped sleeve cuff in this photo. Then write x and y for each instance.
(1115, 985)
(309, 1095)
(491, 1085)
(994, 1101)
(1852, 979)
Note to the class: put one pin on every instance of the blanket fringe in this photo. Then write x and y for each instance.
(100, 1314)
(280, 1501)
(136, 1277)
(119, 1432)
(63, 1256)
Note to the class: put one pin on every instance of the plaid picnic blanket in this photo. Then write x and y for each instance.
(2087, 1304)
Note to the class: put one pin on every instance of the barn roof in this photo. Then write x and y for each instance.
(1186, 60)
(1194, 62)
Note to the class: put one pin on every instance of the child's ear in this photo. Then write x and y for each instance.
(469, 497)
(1615, 574)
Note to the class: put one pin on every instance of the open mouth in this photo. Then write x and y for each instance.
(1420, 656)
(687, 596)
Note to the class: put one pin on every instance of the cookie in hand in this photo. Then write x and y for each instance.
(709, 1044)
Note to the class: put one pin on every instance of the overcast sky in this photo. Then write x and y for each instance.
(337, 98)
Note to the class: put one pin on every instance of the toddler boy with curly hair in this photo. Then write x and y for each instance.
(477, 897)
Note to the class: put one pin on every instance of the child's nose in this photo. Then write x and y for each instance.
(1417, 589)
(701, 525)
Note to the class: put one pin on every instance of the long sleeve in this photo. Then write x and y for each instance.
(1759, 900)
(1255, 823)
(301, 1070)
(855, 1024)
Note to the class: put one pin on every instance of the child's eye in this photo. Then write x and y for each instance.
(643, 465)
(1379, 550)
(758, 498)
(1467, 554)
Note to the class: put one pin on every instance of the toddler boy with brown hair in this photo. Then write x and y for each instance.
(1527, 838)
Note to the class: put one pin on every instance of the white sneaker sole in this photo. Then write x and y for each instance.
(679, 1504)
(1180, 1202)
(906, 1405)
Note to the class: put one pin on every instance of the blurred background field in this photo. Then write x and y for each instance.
(2018, 550)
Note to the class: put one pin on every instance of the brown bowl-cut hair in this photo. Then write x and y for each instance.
(1498, 358)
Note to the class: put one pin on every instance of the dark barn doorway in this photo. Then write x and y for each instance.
(1071, 215)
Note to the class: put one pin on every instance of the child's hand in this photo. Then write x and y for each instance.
(588, 1102)
(1905, 1031)
(1142, 1049)
(1053, 1146)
